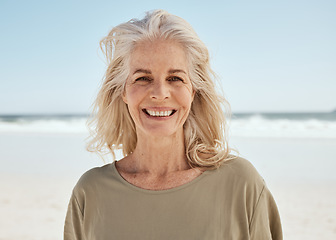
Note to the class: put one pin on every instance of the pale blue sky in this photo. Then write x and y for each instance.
(271, 55)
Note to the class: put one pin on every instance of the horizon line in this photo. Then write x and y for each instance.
(88, 114)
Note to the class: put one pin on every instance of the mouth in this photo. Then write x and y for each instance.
(152, 113)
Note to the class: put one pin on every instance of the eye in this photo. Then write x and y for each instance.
(175, 79)
(143, 79)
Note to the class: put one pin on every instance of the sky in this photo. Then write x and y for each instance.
(270, 56)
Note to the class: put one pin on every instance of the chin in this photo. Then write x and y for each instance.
(159, 132)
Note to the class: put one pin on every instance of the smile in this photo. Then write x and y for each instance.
(159, 113)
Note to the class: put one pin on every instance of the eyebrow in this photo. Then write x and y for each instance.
(170, 71)
(140, 70)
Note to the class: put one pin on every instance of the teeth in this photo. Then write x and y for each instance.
(159, 114)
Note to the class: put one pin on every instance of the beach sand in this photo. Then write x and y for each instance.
(38, 172)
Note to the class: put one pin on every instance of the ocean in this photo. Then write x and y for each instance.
(271, 125)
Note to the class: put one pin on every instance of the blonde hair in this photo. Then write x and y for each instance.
(112, 127)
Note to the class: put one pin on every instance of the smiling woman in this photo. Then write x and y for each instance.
(177, 179)
(130, 49)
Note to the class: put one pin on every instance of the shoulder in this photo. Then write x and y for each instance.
(242, 169)
(252, 198)
(92, 179)
(240, 178)
(242, 182)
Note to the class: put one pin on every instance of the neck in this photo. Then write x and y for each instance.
(159, 155)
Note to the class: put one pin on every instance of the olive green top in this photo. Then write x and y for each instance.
(231, 202)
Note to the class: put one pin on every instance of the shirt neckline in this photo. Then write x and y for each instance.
(136, 188)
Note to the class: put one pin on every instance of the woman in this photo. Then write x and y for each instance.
(177, 180)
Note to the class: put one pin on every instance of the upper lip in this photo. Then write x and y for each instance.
(159, 109)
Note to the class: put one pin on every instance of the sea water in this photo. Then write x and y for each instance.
(289, 125)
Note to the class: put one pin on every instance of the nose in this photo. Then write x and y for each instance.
(160, 90)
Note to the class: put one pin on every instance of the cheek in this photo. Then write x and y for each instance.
(132, 98)
(185, 100)
(128, 95)
(187, 95)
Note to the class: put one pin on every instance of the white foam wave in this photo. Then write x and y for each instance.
(253, 126)
(258, 126)
(45, 126)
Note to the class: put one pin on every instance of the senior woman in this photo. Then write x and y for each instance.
(158, 104)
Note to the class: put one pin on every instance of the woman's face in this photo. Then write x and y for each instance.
(158, 90)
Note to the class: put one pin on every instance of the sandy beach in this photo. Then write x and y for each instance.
(38, 172)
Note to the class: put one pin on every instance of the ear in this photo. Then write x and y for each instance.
(124, 96)
(193, 94)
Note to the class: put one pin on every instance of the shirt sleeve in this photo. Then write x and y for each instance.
(265, 223)
(73, 227)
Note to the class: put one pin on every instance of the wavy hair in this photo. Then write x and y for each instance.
(112, 127)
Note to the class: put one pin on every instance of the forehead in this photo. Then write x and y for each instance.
(158, 53)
